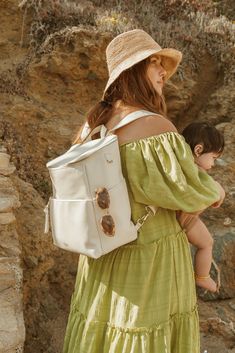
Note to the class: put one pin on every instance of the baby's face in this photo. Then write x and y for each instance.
(206, 160)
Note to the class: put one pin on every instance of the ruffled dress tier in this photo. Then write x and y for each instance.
(140, 298)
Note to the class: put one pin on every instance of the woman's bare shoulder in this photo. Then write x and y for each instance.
(147, 126)
(158, 124)
(155, 125)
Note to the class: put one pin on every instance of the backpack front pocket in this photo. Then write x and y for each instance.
(70, 183)
(74, 226)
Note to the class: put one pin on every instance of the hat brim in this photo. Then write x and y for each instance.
(171, 60)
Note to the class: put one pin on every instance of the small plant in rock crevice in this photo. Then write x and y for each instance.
(49, 16)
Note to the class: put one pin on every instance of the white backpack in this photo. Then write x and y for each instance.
(86, 170)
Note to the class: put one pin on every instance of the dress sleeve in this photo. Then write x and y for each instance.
(161, 171)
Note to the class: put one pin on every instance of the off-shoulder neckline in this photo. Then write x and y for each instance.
(153, 137)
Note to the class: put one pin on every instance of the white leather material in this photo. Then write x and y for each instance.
(85, 131)
(75, 216)
(78, 152)
(74, 226)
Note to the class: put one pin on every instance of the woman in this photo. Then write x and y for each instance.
(141, 296)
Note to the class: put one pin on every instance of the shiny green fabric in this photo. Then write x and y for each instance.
(141, 298)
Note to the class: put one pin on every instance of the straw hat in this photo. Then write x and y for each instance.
(129, 48)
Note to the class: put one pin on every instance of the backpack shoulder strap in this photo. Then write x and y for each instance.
(125, 121)
(86, 133)
(132, 117)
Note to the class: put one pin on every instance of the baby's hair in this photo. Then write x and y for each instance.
(206, 134)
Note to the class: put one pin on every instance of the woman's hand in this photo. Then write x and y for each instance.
(218, 203)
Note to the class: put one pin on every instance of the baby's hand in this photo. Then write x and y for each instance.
(216, 204)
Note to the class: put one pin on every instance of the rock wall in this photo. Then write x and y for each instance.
(12, 328)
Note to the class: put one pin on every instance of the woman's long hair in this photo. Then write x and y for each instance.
(133, 88)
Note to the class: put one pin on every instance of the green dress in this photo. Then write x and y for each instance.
(140, 298)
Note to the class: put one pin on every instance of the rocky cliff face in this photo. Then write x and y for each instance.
(12, 321)
(50, 75)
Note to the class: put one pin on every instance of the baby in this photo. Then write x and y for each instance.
(207, 144)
